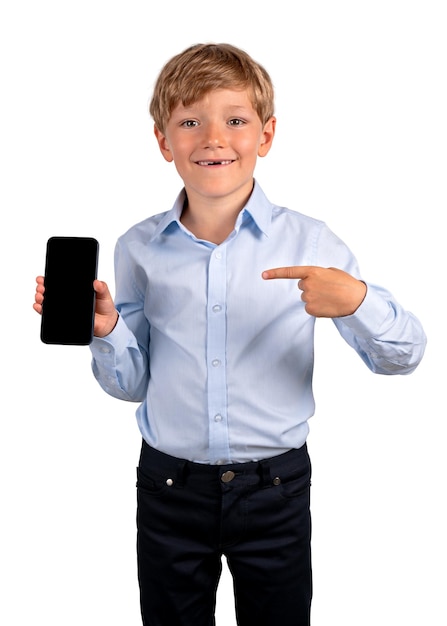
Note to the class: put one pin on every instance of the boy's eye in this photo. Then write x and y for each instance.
(236, 122)
(189, 123)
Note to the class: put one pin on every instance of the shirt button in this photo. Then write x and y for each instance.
(218, 255)
(218, 418)
(217, 308)
(104, 350)
(215, 363)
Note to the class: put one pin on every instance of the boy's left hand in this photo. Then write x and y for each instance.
(327, 291)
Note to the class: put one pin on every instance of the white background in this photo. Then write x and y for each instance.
(361, 143)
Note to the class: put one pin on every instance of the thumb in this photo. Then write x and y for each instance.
(101, 289)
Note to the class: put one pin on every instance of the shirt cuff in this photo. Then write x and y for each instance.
(371, 315)
(114, 342)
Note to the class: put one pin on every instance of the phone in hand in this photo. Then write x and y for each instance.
(68, 308)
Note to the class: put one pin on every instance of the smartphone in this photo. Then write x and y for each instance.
(68, 308)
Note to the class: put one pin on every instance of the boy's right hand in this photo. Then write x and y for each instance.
(106, 316)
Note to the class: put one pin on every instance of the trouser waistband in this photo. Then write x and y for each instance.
(269, 470)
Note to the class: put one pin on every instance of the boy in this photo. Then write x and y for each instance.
(220, 355)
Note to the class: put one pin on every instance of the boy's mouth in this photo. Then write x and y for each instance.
(226, 162)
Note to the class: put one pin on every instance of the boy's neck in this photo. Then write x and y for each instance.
(212, 219)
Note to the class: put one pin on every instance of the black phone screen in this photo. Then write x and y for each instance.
(69, 300)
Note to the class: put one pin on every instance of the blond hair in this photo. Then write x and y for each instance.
(188, 76)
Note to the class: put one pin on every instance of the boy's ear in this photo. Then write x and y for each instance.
(163, 145)
(267, 137)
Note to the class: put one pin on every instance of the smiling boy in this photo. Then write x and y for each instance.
(214, 144)
(220, 356)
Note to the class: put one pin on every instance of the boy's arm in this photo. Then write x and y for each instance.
(389, 339)
(121, 358)
(120, 362)
(119, 365)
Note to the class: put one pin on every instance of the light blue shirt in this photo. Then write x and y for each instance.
(220, 359)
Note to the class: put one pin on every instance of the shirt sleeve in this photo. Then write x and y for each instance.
(389, 339)
(121, 360)
(119, 365)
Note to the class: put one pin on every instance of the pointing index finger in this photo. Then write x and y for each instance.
(294, 271)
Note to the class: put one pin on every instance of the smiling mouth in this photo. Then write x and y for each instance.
(227, 162)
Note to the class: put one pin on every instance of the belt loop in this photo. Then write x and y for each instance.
(182, 469)
(264, 471)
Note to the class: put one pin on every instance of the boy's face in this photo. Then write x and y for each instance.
(215, 143)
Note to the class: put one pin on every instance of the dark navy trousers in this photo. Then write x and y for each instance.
(255, 514)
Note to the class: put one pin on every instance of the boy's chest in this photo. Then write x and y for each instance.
(212, 286)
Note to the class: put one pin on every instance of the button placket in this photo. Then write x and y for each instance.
(216, 356)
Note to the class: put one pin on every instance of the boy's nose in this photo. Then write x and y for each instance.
(214, 136)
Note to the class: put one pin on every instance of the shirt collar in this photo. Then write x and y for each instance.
(171, 216)
(258, 207)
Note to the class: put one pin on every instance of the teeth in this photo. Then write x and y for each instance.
(214, 162)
